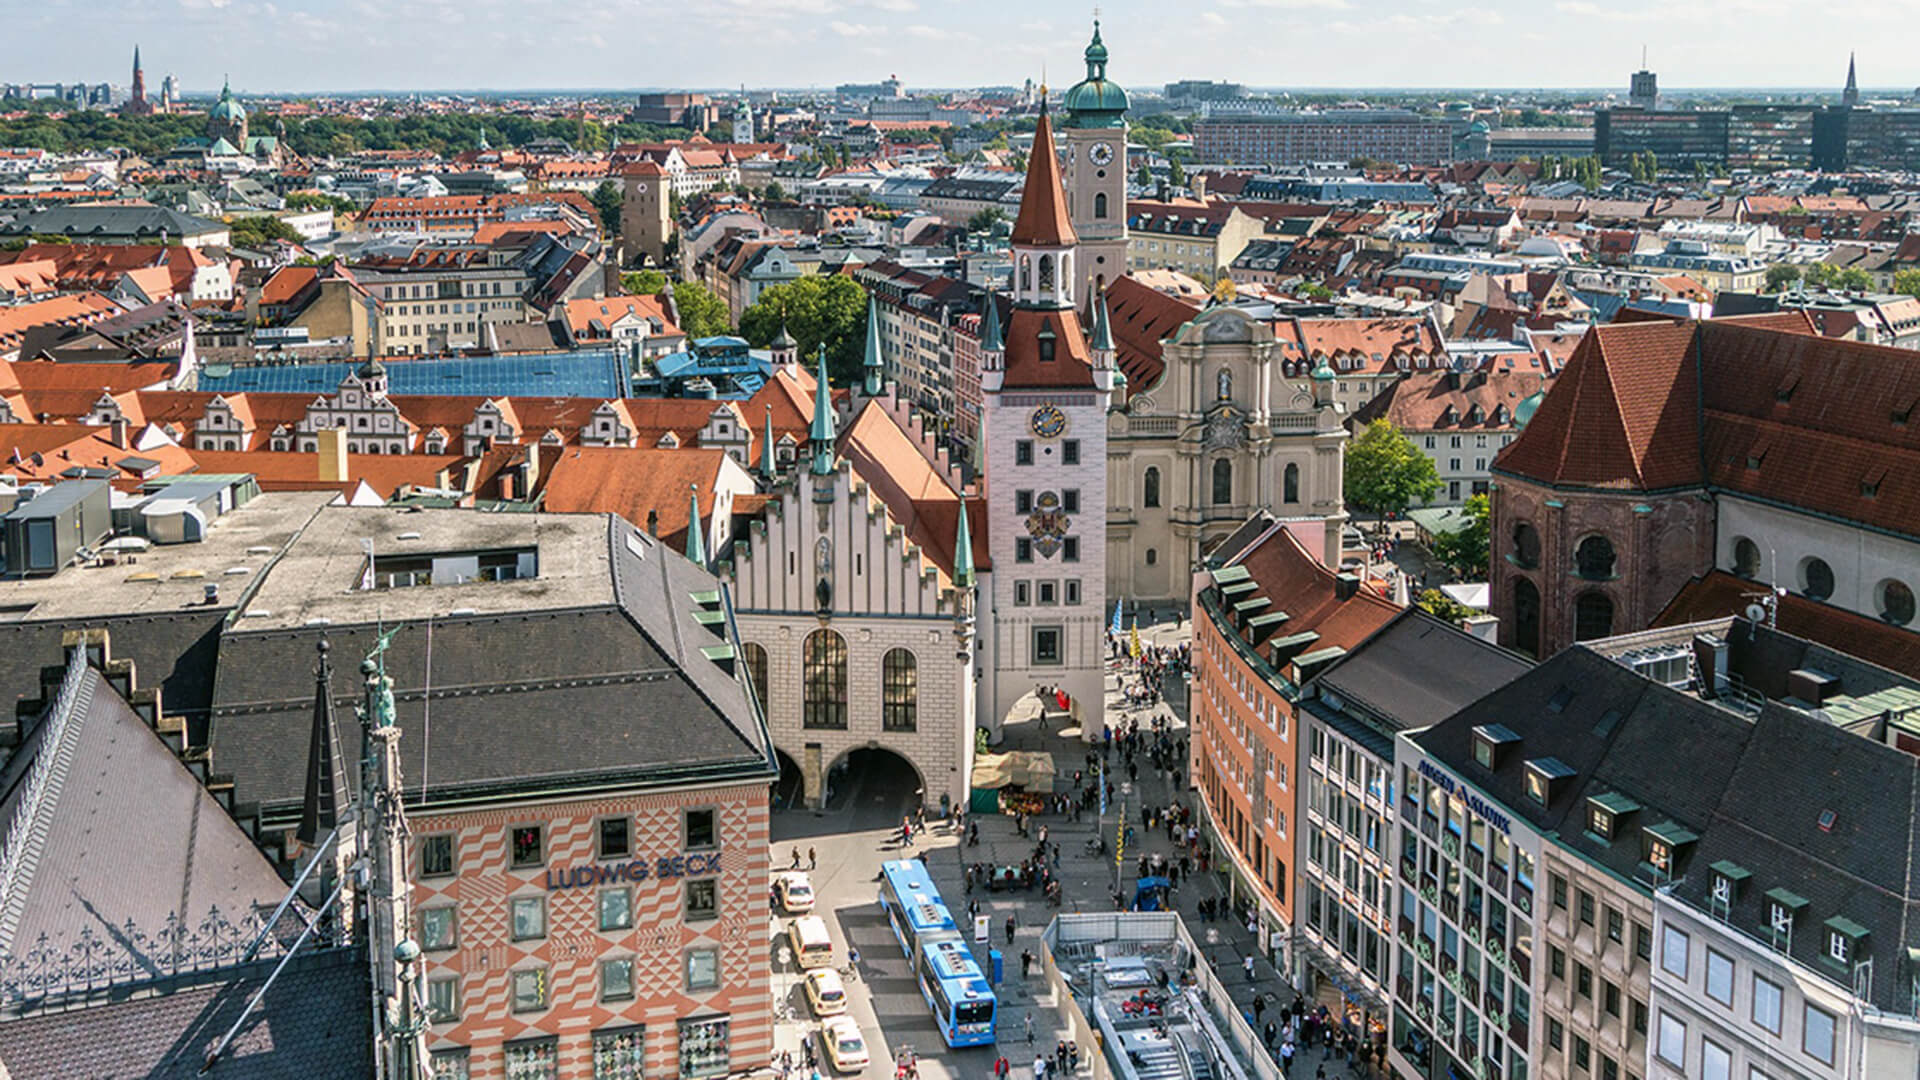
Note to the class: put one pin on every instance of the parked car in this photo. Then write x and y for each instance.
(846, 1048)
(825, 992)
(796, 892)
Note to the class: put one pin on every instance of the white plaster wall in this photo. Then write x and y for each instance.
(1861, 559)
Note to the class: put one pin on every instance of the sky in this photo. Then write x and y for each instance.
(276, 46)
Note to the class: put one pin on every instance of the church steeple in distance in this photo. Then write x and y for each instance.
(1850, 97)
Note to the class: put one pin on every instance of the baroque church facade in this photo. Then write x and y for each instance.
(1219, 417)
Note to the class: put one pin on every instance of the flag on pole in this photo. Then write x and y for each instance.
(1117, 628)
(1133, 640)
(1103, 787)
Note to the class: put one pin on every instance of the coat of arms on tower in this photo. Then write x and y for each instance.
(1226, 429)
(1047, 524)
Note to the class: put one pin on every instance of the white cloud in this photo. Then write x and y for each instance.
(1289, 5)
(847, 29)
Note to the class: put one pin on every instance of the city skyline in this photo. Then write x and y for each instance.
(357, 47)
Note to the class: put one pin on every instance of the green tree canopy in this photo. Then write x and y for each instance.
(1444, 607)
(829, 309)
(1176, 175)
(1782, 275)
(774, 192)
(985, 219)
(702, 314)
(643, 282)
(313, 200)
(1385, 472)
(1907, 281)
(1465, 552)
(607, 199)
(259, 230)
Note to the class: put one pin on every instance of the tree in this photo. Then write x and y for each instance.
(1386, 473)
(817, 309)
(606, 199)
(1853, 279)
(644, 282)
(985, 220)
(1144, 177)
(1465, 552)
(259, 230)
(702, 314)
(1176, 176)
(313, 200)
(774, 192)
(1444, 607)
(1907, 281)
(1782, 275)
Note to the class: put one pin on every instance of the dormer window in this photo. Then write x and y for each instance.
(1728, 877)
(1604, 813)
(1545, 778)
(1846, 941)
(1664, 844)
(1783, 907)
(1489, 743)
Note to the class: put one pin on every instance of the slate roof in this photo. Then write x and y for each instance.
(84, 874)
(314, 1023)
(82, 222)
(1417, 670)
(590, 685)
(1719, 594)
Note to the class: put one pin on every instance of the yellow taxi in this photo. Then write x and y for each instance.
(796, 892)
(840, 1037)
(825, 992)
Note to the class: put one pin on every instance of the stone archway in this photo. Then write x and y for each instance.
(790, 791)
(877, 785)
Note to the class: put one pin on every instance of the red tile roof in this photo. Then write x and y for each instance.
(1141, 318)
(634, 483)
(1071, 366)
(1303, 587)
(1043, 218)
(1719, 594)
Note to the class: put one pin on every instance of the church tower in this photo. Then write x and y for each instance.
(1046, 390)
(137, 103)
(1095, 137)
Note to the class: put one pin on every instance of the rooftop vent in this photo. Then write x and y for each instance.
(1827, 818)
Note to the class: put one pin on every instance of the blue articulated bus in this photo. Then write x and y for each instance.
(913, 906)
(957, 991)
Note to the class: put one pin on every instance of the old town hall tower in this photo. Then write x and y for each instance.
(1047, 385)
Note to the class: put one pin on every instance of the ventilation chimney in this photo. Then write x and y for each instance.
(333, 455)
(1345, 586)
(1710, 661)
(117, 433)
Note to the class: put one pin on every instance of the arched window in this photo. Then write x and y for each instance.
(1896, 602)
(1593, 559)
(1026, 273)
(1526, 546)
(1290, 484)
(1046, 273)
(755, 658)
(1746, 558)
(1153, 556)
(1526, 617)
(1222, 482)
(825, 665)
(1816, 578)
(1151, 496)
(899, 690)
(1100, 205)
(1592, 616)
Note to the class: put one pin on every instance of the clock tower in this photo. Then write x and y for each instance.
(1046, 385)
(1095, 139)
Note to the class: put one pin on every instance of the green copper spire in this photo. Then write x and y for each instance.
(821, 434)
(766, 447)
(963, 551)
(696, 543)
(874, 370)
(990, 338)
(1102, 331)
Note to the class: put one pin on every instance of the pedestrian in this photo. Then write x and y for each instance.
(795, 865)
(1259, 1008)
(1039, 1067)
(1246, 964)
(1026, 962)
(812, 861)
(1272, 1033)
(1012, 925)
(1029, 1026)
(1073, 1056)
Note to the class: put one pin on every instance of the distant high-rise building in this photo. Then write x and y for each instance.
(1644, 90)
(137, 103)
(1191, 91)
(1850, 97)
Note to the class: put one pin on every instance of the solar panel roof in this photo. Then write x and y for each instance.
(590, 373)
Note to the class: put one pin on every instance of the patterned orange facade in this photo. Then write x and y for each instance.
(1243, 760)
(617, 936)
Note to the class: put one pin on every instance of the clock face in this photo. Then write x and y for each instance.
(1101, 153)
(1048, 421)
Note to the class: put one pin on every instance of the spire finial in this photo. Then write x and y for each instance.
(822, 433)
(696, 542)
(872, 368)
(766, 446)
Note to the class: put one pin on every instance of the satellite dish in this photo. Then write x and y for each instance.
(1756, 613)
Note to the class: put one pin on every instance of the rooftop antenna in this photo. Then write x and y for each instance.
(1643, 56)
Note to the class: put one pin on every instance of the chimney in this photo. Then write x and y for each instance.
(1710, 661)
(252, 294)
(533, 466)
(117, 433)
(1198, 182)
(1345, 586)
(333, 455)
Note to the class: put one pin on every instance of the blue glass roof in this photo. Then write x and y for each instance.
(589, 373)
